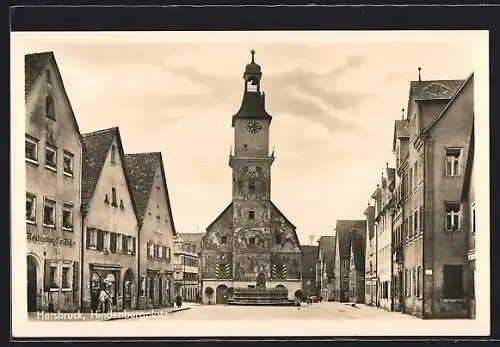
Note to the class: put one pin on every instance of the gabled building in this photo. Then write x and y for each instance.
(156, 236)
(195, 239)
(383, 233)
(186, 269)
(430, 165)
(53, 157)
(110, 223)
(342, 259)
(370, 257)
(309, 256)
(357, 264)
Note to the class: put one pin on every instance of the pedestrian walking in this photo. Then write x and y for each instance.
(103, 297)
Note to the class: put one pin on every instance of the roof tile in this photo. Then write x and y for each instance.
(34, 66)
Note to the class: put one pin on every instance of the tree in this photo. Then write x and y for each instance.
(209, 292)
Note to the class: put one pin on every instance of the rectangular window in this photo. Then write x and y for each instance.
(453, 161)
(160, 252)
(50, 157)
(452, 216)
(223, 239)
(50, 107)
(415, 175)
(124, 243)
(31, 149)
(421, 215)
(91, 238)
(100, 240)
(142, 291)
(277, 238)
(151, 252)
(251, 214)
(68, 163)
(473, 217)
(119, 243)
(30, 208)
(113, 154)
(53, 277)
(251, 240)
(415, 222)
(410, 181)
(452, 282)
(130, 245)
(65, 278)
(410, 226)
(67, 217)
(49, 213)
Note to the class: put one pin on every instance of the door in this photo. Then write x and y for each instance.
(127, 290)
(160, 291)
(32, 290)
(221, 294)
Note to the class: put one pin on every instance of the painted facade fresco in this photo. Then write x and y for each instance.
(251, 181)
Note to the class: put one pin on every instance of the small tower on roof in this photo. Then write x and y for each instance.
(252, 75)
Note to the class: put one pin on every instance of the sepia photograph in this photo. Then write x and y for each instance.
(319, 183)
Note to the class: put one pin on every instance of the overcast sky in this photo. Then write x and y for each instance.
(333, 106)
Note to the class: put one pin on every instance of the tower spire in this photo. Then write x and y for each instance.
(403, 114)
(419, 76)
(252, 52)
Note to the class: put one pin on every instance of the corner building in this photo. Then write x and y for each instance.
(251, 243)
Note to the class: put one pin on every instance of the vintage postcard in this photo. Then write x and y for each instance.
(250, 183)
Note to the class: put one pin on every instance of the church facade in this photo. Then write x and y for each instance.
(251, 243)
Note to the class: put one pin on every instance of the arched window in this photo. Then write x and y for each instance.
(50, 110)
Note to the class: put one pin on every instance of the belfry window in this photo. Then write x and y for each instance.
(251, 214)
(252, 84)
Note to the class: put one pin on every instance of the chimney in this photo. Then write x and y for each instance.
(419, 77)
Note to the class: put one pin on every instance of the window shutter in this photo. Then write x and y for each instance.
(88, 237)
(76, 279)
(46, 279)
(133, 245)
(148, 247)
(100, 240)
(124, 244)
(112, 242)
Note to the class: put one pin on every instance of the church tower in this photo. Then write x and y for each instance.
(251, 244)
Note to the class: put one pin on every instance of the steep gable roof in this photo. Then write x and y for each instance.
(34, 66)
(401, 131)
(343, 235)
(141, 168)
(434, 89)
(97, 145)
(447, 107)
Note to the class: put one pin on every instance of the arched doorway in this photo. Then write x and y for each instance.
(128, 280)
(95, 288)
(32, 285)
(221, 294)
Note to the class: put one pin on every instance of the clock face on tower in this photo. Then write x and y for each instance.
(253, 126)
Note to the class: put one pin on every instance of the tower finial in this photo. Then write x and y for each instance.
(252, 52)
(419, 77)
(403, 113)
